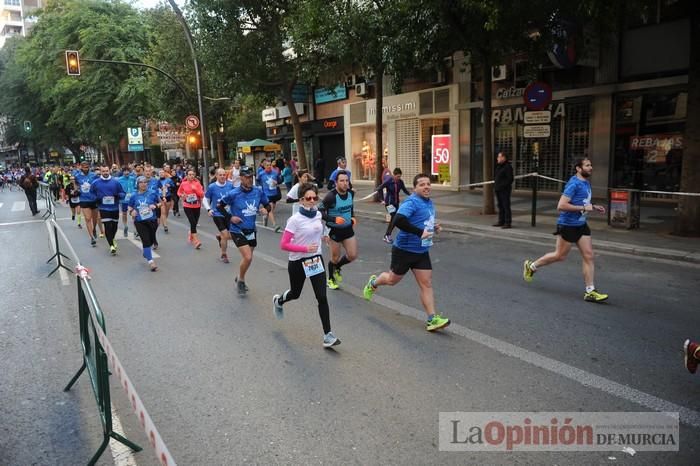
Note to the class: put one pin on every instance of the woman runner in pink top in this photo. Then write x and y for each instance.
(302, 238)
(191, 192)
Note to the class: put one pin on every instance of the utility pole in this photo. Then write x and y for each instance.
(188, 36)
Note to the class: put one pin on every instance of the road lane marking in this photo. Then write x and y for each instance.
(138, 244)
(585, 378)
(122, 455)
(18, 206)
(1, 204)
(65, 281)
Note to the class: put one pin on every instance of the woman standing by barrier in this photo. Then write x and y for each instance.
(142, 206)
(192, 192)
(302, 238)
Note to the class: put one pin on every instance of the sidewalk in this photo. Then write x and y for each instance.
(461, 212)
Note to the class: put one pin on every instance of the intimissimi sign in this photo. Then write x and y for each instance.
(517, 114)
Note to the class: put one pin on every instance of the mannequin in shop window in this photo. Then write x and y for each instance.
(367, 161)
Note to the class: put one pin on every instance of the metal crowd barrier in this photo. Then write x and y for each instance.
(97, 356)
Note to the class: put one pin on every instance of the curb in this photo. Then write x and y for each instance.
(608, 246)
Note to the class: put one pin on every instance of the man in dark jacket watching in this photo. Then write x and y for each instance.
(29, 183)
(502, 185)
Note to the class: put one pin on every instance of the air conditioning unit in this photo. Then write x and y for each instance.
(361, 89)
(498, 73)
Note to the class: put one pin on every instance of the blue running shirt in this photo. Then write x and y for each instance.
(579, 191)
(421, 213)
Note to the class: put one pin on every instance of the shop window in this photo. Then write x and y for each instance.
(364, 153)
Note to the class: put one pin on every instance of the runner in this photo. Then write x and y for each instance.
(338, 213)
(574, 205)
(153, 184)
(142, 206)
(215, 192)
(301, 177)
(73, 191)
(192, 192)
(342, 166)
(108, 192)
(416, 221)
(165, 186)
(128, 182)
(302, 238)
(269, 179)
(177, 180)
(393, 185)
(235, 174)
(244, 203)
(88, 201)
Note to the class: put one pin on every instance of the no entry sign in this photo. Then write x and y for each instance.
(192, 122)
(537, 96)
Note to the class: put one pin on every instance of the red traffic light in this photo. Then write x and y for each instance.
(72, 63)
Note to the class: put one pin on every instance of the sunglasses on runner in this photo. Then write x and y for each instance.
(315, 198)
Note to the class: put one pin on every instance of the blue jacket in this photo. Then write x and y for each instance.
(108, 193)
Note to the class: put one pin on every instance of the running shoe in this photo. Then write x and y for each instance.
(278, 229)
(242, 288)
(113, 250)
(330, 340)
(332, 284)
(369, 290)
(136, 235)
(72, 217)
(224, 258)
(594, 296)
(93, 242)
(198, 245)
(126, 232)
(102, 235)
(277, 307)
(155, 246)
(387, 239)
(527, 271)
(153, 265)
(436, 322)
(337, 276)
(165, 228)
(689, 351)
(80, 226)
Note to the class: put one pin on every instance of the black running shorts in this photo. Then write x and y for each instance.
(239, 239)
(341, 234)
(88, 204)
(403, 261)
(221, 223)
(275, 198)
(572, 234)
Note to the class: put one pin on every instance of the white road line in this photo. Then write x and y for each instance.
(65, 281)
(138, 244)
(20, 223)
(585, 378)
(18, 206)
(123, 455)
(1, 204)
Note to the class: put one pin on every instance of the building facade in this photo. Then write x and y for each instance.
(16, 17)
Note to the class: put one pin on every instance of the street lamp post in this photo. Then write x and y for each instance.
(188, 36)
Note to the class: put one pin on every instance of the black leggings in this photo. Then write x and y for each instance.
(147, 232)
(110, 220)
(192, 214)
(390, 228)
(297, 277)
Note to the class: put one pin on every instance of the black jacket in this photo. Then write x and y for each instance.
(503, 177)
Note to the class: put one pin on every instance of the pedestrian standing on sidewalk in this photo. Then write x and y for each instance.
(192, 192)
(416, 221)
(302, 239)
(502, 186)
(29, 184)
(572, 228)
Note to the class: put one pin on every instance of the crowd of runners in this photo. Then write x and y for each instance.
(100, 198)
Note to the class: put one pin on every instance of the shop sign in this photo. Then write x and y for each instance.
(656, 146)
(324, 94)
(509, 115)
(443, 173)
(328, 125)
(397, 111)
(440, 151)
(283, 111)
(170, 137)
(538, 117)
(269, 114)
(508, 92)
(536, 131)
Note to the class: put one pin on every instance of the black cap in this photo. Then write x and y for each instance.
(246, 171)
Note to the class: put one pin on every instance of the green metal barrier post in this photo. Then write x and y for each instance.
(95, 361)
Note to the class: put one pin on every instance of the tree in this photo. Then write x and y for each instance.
(246, 43)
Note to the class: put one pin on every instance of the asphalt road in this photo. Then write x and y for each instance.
(226, 383)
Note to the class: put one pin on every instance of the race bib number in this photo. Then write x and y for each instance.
(75, 200)
(85, 188)
(390, 208)
(145, 212)
(191, 198)
(249, 236)
(313, 266)
(108, 200)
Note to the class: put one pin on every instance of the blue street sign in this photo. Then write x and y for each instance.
(135, 147)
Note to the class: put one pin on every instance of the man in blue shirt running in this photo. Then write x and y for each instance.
(574, 206)
(416, 221)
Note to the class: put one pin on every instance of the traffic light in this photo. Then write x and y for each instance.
(27, 126)
(194, 139)
(72, 63)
